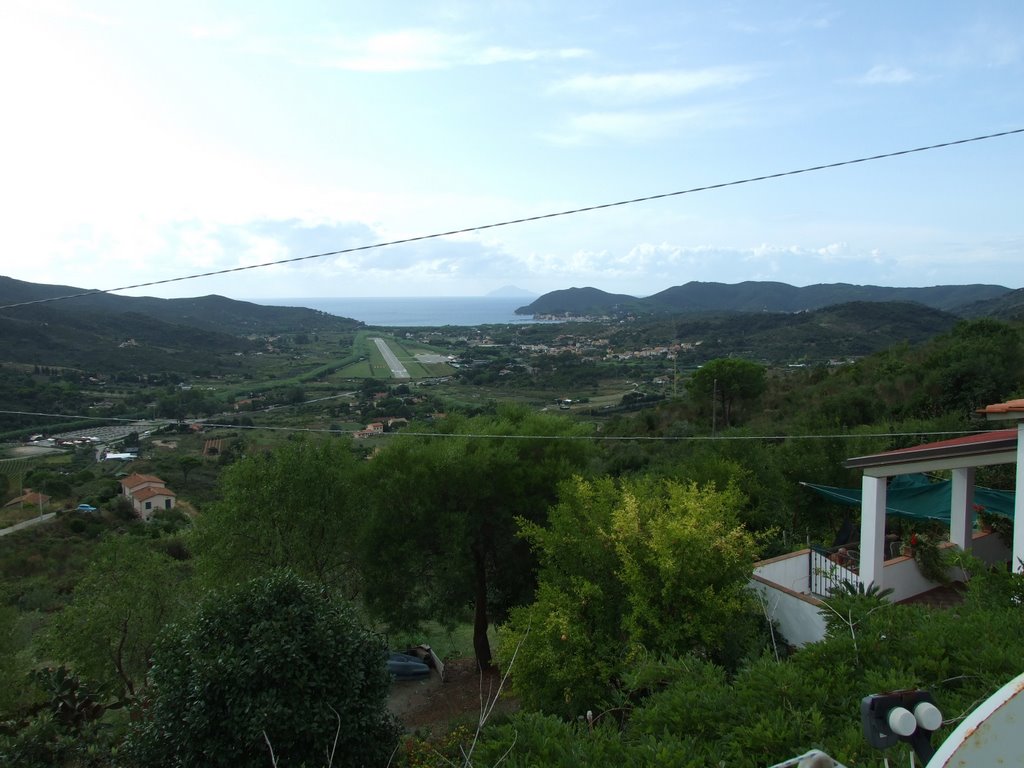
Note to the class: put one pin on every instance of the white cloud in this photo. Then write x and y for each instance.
(421, 49)
(647, 268)
(640, 125)
(499, 54)
(652, 86)
(220, 30)
(65, 10)
(398, 51)
(984, 44)
(881, 74)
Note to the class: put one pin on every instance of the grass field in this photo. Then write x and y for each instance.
(447, 644)
(13, 515)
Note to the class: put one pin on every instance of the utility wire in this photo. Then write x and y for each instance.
(540, 217)
(596, 438)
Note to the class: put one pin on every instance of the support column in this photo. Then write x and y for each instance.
(1018, 507)
(872, 530)
(961, 507)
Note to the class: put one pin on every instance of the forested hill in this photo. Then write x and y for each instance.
(583, 301)
(1009, 306)
(758, 296)
(142, 334)
(847, 330)
(209, 313)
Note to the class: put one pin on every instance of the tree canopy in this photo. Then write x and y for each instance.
(645, 567)
(296, 507)
(441, 536)
(276, 664)
(128, 594)
(727, 382)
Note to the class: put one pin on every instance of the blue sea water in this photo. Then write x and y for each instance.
(416, 311)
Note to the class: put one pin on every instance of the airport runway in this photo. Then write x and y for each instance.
(398, 371)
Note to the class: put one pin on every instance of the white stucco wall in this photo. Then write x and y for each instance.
(789, 571)
(783, 583)
(798, 616)
(989, 548)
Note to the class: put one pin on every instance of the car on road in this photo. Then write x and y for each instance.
(85, 508)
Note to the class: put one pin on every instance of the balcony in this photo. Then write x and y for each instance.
(794, 586)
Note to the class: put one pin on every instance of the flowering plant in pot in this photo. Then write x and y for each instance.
(931, 561)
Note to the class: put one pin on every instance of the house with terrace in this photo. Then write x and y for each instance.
(794, 586)
(147, 494)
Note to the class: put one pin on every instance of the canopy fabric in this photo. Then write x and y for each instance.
(916, 496)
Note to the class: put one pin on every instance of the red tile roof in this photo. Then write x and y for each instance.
(1010, 406)
(31, 498)
(134, 481)
(149, 493)
(968, 445)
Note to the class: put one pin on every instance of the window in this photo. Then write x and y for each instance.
(149, 505)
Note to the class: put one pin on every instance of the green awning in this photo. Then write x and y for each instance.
(916, 496)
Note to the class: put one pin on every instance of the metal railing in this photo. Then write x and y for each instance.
(830, 567)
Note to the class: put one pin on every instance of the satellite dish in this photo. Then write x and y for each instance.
(990, 735)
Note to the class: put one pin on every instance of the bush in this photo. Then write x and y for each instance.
(275, 661)
(629, 570)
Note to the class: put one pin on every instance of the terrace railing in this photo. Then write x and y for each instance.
(830, 567)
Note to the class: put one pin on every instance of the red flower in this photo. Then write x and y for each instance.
(913, 539)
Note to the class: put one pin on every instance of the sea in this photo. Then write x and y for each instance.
(417, 311)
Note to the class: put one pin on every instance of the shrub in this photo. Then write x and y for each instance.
(628, 570)
(276, 662)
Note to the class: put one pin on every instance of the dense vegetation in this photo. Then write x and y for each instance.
(756, 296)
(599, 555)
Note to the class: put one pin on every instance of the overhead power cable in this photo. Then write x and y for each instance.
(527, 219)
(485, 436)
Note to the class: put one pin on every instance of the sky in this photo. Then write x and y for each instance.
(151, 141)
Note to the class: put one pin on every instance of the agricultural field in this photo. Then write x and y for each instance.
(418, 359)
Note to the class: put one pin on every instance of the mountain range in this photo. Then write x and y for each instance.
(95, 330)
(101, 331)
(766, 296)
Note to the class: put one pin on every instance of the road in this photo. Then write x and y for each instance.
(27, 523)
(398, 371)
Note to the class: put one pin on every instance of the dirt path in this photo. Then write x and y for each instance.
(437, 705)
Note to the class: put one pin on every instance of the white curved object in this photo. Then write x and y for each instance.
(928, 716)
(992, 735)
(901, 721)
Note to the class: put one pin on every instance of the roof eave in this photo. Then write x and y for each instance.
(1002, 451)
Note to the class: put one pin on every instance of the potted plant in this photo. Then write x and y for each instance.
(931, 560)
(908, 545)
(1000, 525)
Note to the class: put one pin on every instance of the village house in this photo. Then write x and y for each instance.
(796, 586)
(29, 499)
(372, 430)
(147, 494)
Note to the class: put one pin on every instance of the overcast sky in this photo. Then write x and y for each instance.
(143, 141)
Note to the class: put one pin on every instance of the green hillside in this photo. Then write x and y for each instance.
(756, 296)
